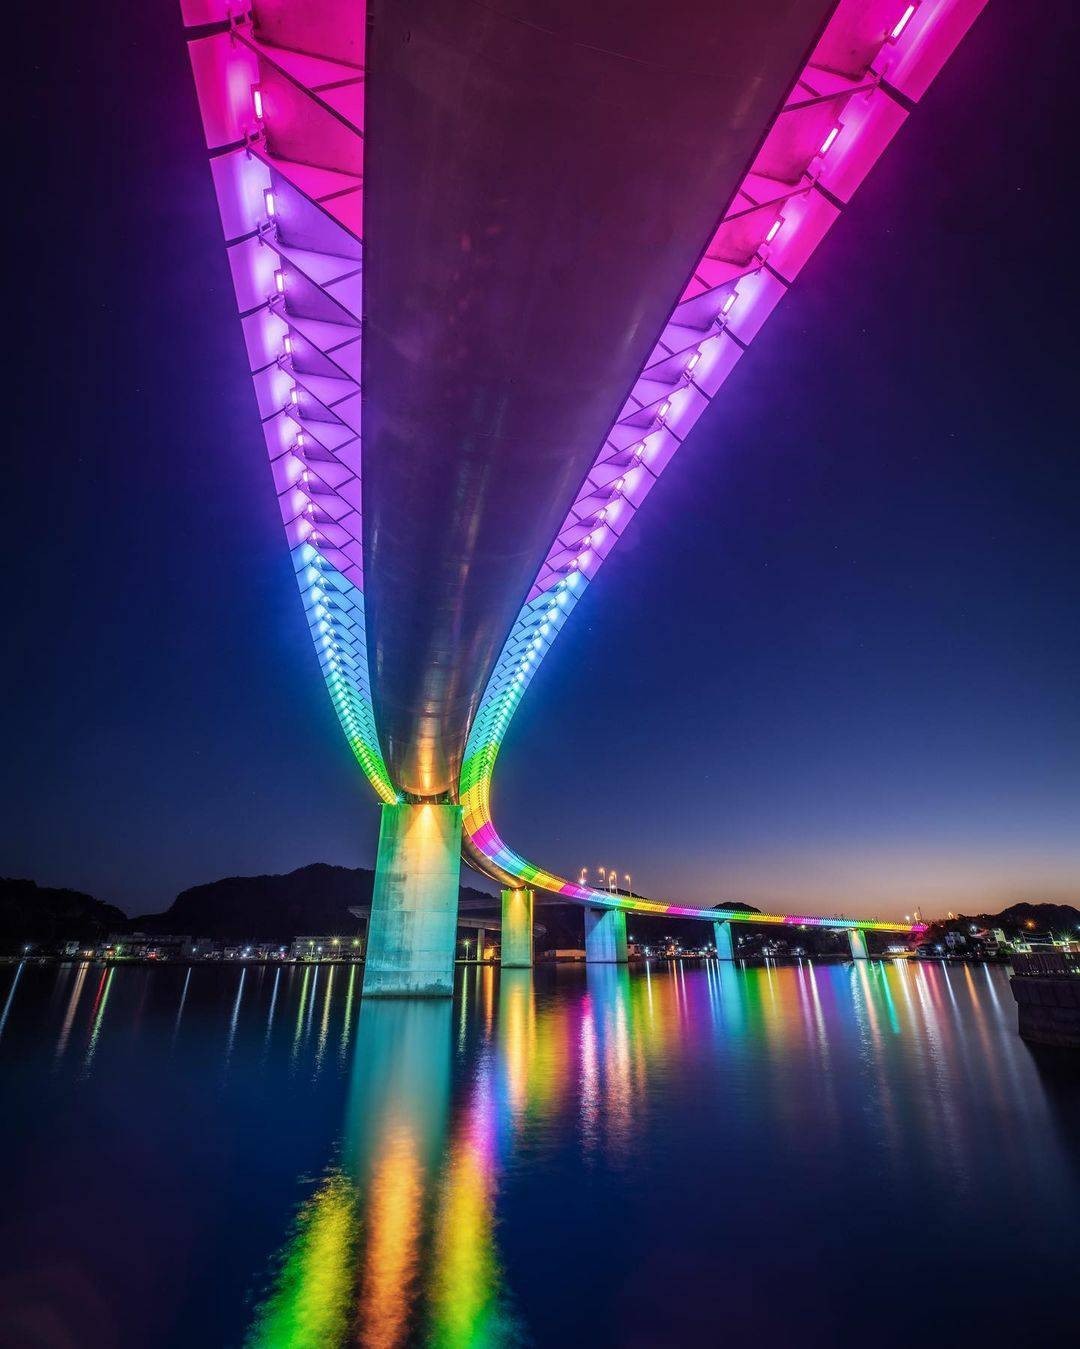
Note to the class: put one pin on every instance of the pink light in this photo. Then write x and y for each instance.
(829, 140)
(268, 198)
(905, 19)
(726, 306)
(279, 281)
(256, 99)
(774, 230)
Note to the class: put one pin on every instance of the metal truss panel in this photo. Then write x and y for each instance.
(281, 97)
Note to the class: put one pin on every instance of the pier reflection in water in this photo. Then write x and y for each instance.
(631, 1157)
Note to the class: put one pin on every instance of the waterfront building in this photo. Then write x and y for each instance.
(317, 948)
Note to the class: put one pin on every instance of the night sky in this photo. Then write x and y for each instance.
(834, 664)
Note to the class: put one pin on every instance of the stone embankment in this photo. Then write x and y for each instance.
(1047, 993)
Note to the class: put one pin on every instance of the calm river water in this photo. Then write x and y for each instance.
(684, 1155)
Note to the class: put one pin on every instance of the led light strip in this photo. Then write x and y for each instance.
(285, 129)
(875, 59)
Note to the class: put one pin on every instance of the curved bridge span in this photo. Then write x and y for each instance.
(492, 266)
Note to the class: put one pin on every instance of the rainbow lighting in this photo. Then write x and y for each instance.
(281, 94)
(874, 60)
(285, 132)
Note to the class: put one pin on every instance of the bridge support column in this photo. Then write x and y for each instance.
(517, 929)
(725, 947)
(857, 942)
(481, 942)
(605, 936)
(413, 925)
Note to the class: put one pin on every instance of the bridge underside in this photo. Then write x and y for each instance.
(540, 179)
(533, 239)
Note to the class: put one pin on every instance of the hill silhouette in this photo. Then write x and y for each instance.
(313, 899)
(43, 914)
(317, 899)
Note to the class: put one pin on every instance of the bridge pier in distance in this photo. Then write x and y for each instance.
(605, 937)
(857, 942)
(517, 929)
(412, 931)
(725, 946)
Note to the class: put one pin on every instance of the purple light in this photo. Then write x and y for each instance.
(726, 306)
(279, 281)
(268, 198)
(693, 361)
(905, 19)
(286, 343)
(664, 408)
(294, 395)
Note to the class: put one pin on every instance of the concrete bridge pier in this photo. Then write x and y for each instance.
(605, 936)
(857, 942)
(517, 929)
(413, 925)
(725, 946)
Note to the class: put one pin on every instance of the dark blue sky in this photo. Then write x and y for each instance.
(834, 663)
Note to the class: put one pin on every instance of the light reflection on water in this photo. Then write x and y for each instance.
(584, 1143)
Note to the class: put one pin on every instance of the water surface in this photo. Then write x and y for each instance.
(820, 1155)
